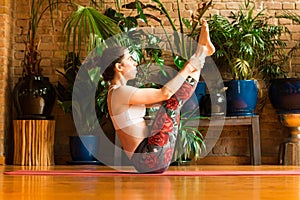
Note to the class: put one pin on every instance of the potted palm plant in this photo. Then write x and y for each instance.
(34, 95)
(248, 47)
(84, 29)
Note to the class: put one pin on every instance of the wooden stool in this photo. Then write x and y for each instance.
(34, 142)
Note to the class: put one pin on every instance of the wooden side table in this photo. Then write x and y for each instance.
(254, 131)
(34, 142)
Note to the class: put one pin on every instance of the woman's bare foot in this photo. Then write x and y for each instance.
(204, 48)
(204, 38)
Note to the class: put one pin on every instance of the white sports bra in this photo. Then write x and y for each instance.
(134, 114)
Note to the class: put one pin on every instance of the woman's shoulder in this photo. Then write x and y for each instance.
(125, 89)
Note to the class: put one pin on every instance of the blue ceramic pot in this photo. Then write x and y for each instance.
(241, 97)
(84, 147)
(284, 94)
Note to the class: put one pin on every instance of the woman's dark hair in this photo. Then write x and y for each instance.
(109, 58)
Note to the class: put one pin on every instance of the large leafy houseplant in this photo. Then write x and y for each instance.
(83, 23)
(248, 48)
(247, 44)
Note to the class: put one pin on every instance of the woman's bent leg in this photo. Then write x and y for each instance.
(154, 153)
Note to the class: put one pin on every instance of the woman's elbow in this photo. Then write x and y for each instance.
(166, 94)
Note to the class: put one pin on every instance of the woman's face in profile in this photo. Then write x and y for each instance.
(129, 65)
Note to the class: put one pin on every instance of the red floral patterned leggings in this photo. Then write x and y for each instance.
(154, 154)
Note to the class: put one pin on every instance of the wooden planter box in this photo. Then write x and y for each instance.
(34, 142)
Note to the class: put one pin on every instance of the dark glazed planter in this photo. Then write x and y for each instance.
(34, 97)
(241, 97)
(284, 94)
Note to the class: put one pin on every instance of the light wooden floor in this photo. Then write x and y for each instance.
(143, 188)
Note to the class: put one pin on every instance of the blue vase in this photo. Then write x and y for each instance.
(241, 97)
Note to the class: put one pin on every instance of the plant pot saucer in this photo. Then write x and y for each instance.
(93, 162)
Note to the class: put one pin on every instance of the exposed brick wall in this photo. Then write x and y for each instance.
(5, 64)
(233, 143)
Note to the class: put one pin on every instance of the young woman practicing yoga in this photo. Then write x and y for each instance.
(150, 150)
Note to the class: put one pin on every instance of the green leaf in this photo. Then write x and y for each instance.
(179, 62)
(140, 12)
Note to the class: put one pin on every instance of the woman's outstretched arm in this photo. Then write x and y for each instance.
(192, 68)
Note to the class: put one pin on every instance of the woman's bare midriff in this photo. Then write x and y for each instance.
(131, 137)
